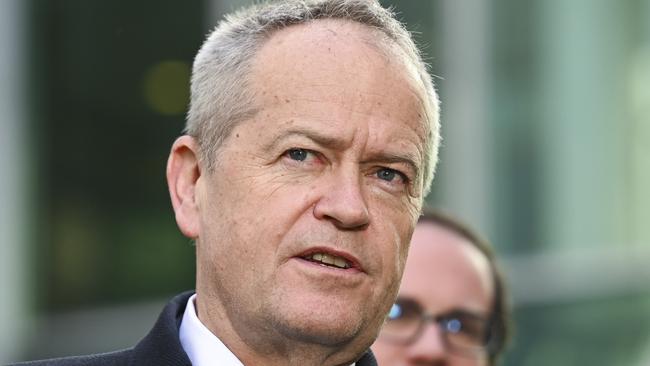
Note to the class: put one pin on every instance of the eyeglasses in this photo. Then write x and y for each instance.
(464, 333)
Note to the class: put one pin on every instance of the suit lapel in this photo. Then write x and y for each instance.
(162, 345)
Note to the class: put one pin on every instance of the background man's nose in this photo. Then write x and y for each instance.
(343, 202)
(429, 348)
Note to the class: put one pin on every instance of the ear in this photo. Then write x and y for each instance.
(183, 173)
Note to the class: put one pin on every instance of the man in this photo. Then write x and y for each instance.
(451, 308)
(311, 141)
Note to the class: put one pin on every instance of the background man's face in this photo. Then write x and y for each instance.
(444, 273)
(307, 218)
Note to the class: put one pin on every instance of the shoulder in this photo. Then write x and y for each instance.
(160, 347)
(103, 359)
(368, 359)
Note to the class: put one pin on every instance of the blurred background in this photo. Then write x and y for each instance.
(546, 125)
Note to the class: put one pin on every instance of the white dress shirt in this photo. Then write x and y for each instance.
(202, 347)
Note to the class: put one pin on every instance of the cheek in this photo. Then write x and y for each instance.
(396, 238)
(394, 251)
(226, 220)
(466, 361)
(397, 232)
(277, 205)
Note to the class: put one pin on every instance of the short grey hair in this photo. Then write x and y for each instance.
(220, 85)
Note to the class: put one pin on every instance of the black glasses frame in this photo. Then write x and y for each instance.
(445, 324)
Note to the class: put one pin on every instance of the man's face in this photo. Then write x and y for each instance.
(305, 221)
(445, 274)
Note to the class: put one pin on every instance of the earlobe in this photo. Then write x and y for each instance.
(183, 173)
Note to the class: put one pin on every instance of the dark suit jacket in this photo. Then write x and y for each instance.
(161, 347)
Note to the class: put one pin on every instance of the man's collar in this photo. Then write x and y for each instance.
(202, 346)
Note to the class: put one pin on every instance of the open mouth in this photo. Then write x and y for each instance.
(328, 260)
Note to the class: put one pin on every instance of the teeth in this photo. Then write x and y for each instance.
(339, 262)
(329, 260)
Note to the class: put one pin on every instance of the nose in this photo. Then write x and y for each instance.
(343, 202)
(429, 348)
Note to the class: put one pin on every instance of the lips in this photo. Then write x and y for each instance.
(331, 258)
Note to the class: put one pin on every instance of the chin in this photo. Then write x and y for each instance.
(322, 326)
(329, 337)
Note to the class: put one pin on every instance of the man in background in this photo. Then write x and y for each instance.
(451, 309)
(311, 141)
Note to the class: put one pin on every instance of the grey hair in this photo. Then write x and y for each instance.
(220, 87)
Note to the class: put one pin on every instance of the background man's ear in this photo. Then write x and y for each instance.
(183, 174)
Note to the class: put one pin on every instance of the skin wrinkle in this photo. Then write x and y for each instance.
(381, 32)
(405, 158)
(274, 191)
(350, 69)
(380, 43)
(284, 314)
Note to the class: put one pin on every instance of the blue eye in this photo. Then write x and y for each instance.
(298, 154)
(386, 174)
(453, 326)
(395, 311)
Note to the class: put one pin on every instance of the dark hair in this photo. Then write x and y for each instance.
(500, 320)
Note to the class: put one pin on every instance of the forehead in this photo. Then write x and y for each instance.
(327, 40)
(343, 59)
(444, 271)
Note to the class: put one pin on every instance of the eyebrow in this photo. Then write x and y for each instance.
(310, 133)
(447, 313)
(408, 158)
(465, 313)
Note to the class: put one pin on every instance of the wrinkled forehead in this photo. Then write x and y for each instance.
(339, 39)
